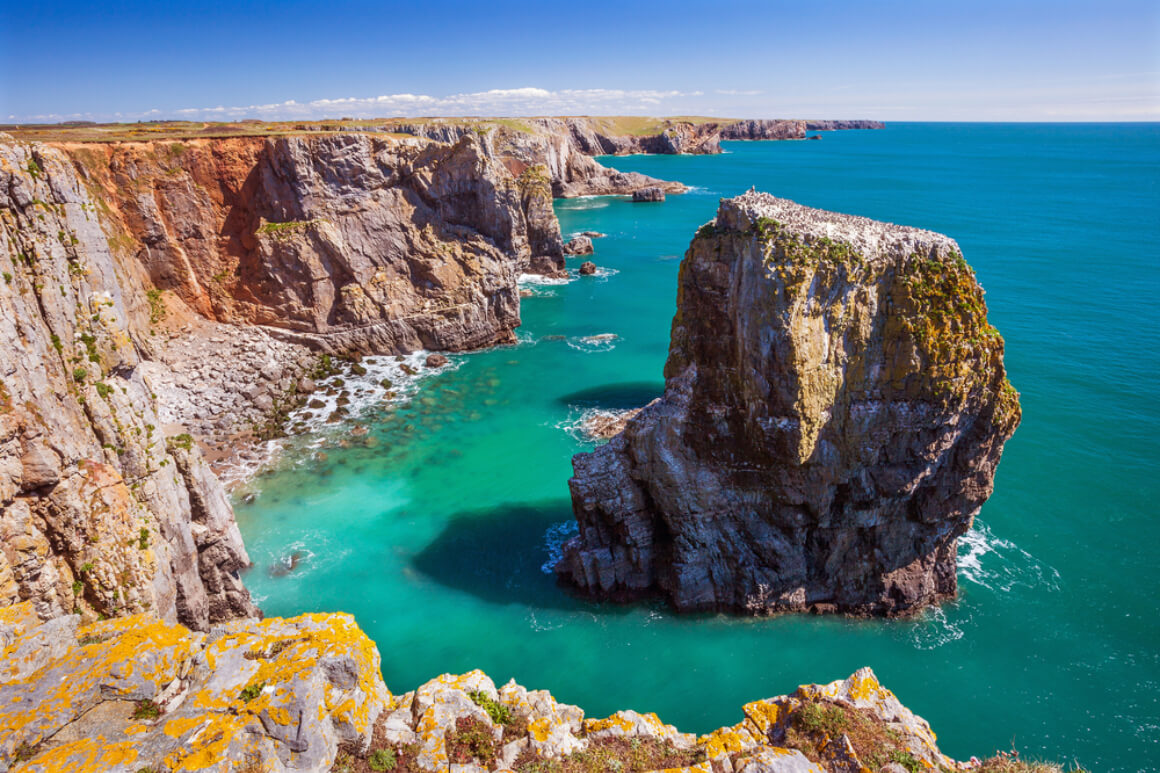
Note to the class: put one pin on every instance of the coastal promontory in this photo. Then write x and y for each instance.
(835, 408)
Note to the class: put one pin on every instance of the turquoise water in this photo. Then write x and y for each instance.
(435, 536)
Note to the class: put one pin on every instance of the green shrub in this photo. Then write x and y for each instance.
(146, 710)
(499, 713)
(382, 759)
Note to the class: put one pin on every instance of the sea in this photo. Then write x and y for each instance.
(434, 513)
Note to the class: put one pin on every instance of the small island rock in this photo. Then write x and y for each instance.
(648, 194)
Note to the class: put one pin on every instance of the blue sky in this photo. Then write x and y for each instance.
(890, 59)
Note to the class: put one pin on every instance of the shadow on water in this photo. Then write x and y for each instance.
(632, 394)
(497, 554)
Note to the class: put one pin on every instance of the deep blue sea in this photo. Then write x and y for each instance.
(432, 528)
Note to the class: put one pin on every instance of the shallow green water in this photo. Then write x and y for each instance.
(435, 536)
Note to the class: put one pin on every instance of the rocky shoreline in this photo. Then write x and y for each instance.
(306, 694)
(170, 301)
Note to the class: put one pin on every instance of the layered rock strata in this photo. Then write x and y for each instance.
(835, 408)
(306, 694)
(101, 512)
(157, 296)
(562, 148)
(769, 129)
(344, 242)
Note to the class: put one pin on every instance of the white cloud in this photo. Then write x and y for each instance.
(528, 100)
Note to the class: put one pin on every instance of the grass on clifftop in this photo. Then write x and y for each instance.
(82, 131)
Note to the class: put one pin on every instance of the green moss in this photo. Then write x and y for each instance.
(143, 539)
(156, 305)
(284, 230)
(79, 375)
(103, 389)
(34, 169)
(184, 441)
(252, 691)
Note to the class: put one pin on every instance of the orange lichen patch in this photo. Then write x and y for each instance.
(86, 755)
(763, 714)
(20, 617)
(617, 721)
(727, 740)
(540, 728)
(141, 655)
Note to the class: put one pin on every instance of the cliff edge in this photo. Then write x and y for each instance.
(835, 408)
(306, 694)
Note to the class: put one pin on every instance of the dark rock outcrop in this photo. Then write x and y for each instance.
(649, 194)
(835, 408)
(587, 268)
(579, 245)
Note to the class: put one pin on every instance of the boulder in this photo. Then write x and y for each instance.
(579, 245)
(587, 268)
(435, 360)
(648, 194)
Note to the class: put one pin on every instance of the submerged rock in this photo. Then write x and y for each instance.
(835, 408)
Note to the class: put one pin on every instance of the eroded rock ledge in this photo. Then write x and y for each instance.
(835, 408)
(306, 694)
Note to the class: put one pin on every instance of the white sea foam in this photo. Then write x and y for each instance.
(999, 564)
(935, 627)
(311, 424)
(539, 280)
(580, 418)
(602, 342)
(602, 273)
(554, 539)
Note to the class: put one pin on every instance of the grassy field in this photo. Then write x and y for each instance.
(187, 130)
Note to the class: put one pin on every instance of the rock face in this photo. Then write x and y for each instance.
(826, 126)
(563, 148)
(306, 694)
(834, 411)
(137, 693)
(345, 242)
(764, 130)
(100, 512)
(162, 295)
(649, 194)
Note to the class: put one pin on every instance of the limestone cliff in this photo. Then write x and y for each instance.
(351, 242)
(159, 296)
(840, 125)
(100, 512)
(765, 130)
(562, 148)
(835, 408)
(306, 694)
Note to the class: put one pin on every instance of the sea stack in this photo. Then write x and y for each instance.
(835, 408)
